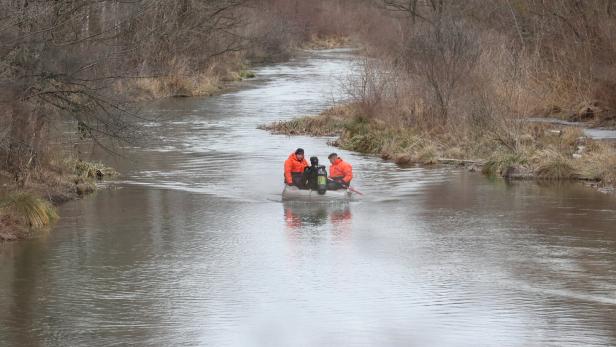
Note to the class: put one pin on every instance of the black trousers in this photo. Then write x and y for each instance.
(298, 180)
(310, 178)
(336, 184)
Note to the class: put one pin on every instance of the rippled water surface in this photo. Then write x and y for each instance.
(194, 247)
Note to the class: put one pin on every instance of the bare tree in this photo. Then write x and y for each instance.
(63, 58)
(442, 55)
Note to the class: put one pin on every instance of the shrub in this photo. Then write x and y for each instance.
(499, 163)
(90, 169)
(554, 165)
(599, 164)
(245, 74)
(308, 125)
(34, 211)
(427, 155)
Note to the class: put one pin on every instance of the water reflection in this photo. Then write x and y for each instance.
(325, 222)
(298, 215)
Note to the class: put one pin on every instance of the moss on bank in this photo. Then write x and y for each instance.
(540, 151)
(26, 211)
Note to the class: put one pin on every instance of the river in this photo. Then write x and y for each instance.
(193, 246)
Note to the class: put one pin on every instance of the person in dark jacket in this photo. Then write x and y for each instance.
(311, 174)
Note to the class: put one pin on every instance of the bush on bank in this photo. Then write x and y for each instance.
(30, 209)
(536, 151)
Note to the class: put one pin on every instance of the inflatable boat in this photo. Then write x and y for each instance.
(293, 193)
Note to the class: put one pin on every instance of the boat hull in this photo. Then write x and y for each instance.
(293, 193)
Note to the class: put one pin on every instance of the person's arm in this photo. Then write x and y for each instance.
(348, 173)
(287, 172)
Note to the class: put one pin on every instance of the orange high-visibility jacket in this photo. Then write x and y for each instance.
(341, 169)
(293, 165)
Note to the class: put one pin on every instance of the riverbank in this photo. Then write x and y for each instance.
(28, 202)
(593, 114)
(317, 42)
(31, 208)
(221, 74)
(538, 151)
(215, 79)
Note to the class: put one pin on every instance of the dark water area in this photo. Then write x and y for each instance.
(193, 245)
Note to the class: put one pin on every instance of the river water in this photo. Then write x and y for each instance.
(192, 246)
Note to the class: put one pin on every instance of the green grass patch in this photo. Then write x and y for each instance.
(308, 125)
(365, 136)
(500, 162)
(90, 169)
(246, 74)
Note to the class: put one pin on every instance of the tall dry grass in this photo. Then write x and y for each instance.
(32, 210)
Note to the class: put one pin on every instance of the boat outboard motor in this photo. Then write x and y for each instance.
(321, 180)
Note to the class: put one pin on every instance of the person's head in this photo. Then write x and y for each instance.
(299, 154)
(332, 157)
(314, 161)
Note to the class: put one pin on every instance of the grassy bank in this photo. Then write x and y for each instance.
(538, 151)
(214, 80)
(218, 75)
(31, 208)
(327, 42)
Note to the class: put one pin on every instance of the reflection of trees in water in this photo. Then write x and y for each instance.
(540, 237)
(19, 314)
(537, 205)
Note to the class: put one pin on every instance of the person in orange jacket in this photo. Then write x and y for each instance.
(340, 173)
(294, 169)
